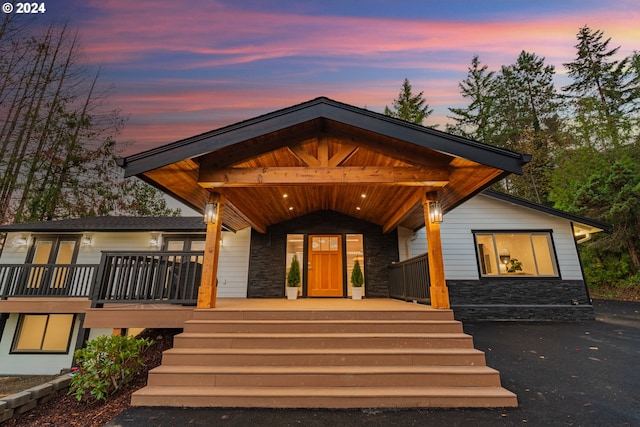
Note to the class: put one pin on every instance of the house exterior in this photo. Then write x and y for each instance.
(476, 294)
(324, 181)
(551, 284)
(48, 269)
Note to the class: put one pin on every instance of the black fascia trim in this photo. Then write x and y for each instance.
(546, 209)
(323, 108)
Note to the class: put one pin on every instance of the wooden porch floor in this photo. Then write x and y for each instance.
(174, 316)
(317, 304)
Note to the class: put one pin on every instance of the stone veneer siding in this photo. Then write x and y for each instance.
(535, 299)
(268, 253)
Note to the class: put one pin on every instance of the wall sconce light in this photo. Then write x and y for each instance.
(20, 241)
(210, 213)
(435, 212)
(154, 241)
(87, 240)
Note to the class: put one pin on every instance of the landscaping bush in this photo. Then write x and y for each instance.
(105, 364)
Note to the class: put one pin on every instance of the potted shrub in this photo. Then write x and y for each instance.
(293, 279)
(357, 280)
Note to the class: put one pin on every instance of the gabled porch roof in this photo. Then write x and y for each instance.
(323, 155)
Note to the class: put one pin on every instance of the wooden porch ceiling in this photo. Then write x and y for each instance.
(323, 164)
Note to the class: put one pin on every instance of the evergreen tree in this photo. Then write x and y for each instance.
(477, 120)
(409, 107)
(526, 106)
(357, 280)
(293, 276)
(604, 90)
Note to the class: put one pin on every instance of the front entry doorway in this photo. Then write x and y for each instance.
(325, 274)
(326, 262)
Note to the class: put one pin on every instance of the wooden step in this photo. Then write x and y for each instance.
(325, 397)
(320, 326)
(309, 340)
(324, 356)
(221, 314)
(324, 376)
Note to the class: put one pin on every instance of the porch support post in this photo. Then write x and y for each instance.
(438, 289)
(208, 284)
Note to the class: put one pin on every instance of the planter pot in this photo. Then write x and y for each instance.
(356, 293)
(292, 292)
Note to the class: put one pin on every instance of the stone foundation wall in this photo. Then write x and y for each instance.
(518, 299)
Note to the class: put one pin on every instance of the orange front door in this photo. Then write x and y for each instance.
(325, 266)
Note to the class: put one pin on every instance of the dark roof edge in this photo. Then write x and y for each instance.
(546, 209)
(106, 224)
(124, 162)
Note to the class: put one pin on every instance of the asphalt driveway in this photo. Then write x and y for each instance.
(565, 374)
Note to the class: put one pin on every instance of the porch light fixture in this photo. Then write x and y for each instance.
(435, 212)
(87, 240)
(20, 241)
(210, 213)
(154, 241)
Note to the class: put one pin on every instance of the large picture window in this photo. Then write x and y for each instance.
(514, 254)
(43, 333)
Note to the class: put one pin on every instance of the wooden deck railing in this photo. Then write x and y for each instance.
(46, 280)
(171, 277)
(409, 280)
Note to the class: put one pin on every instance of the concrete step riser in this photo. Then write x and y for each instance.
(297, 327)
(408, 379)
(328, 402)
(322, 360)
(324, 342)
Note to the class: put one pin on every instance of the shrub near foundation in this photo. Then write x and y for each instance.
(105, 364)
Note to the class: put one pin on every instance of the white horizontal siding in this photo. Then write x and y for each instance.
(11, 254)
(32, 364)
(120, 241)
(233, 265)
(486, 213)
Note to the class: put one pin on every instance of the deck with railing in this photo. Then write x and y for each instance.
(159, 277)
(171, 277)
(409, 280)
(50, 280)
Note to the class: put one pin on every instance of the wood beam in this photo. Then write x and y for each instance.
(401, 211)
(252, 177)
(256, 224)
(208, 290)
(438, 286)
(342, 155)
(180, 180)
(302, 154)
(323, 151)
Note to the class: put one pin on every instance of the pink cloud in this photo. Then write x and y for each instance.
(140, 38)
(222, 35)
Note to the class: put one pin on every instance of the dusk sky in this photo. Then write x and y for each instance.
(183, 68)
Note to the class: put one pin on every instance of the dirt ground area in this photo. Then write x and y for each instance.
(15, 384)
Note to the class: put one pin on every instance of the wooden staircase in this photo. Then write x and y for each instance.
(323, 359)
